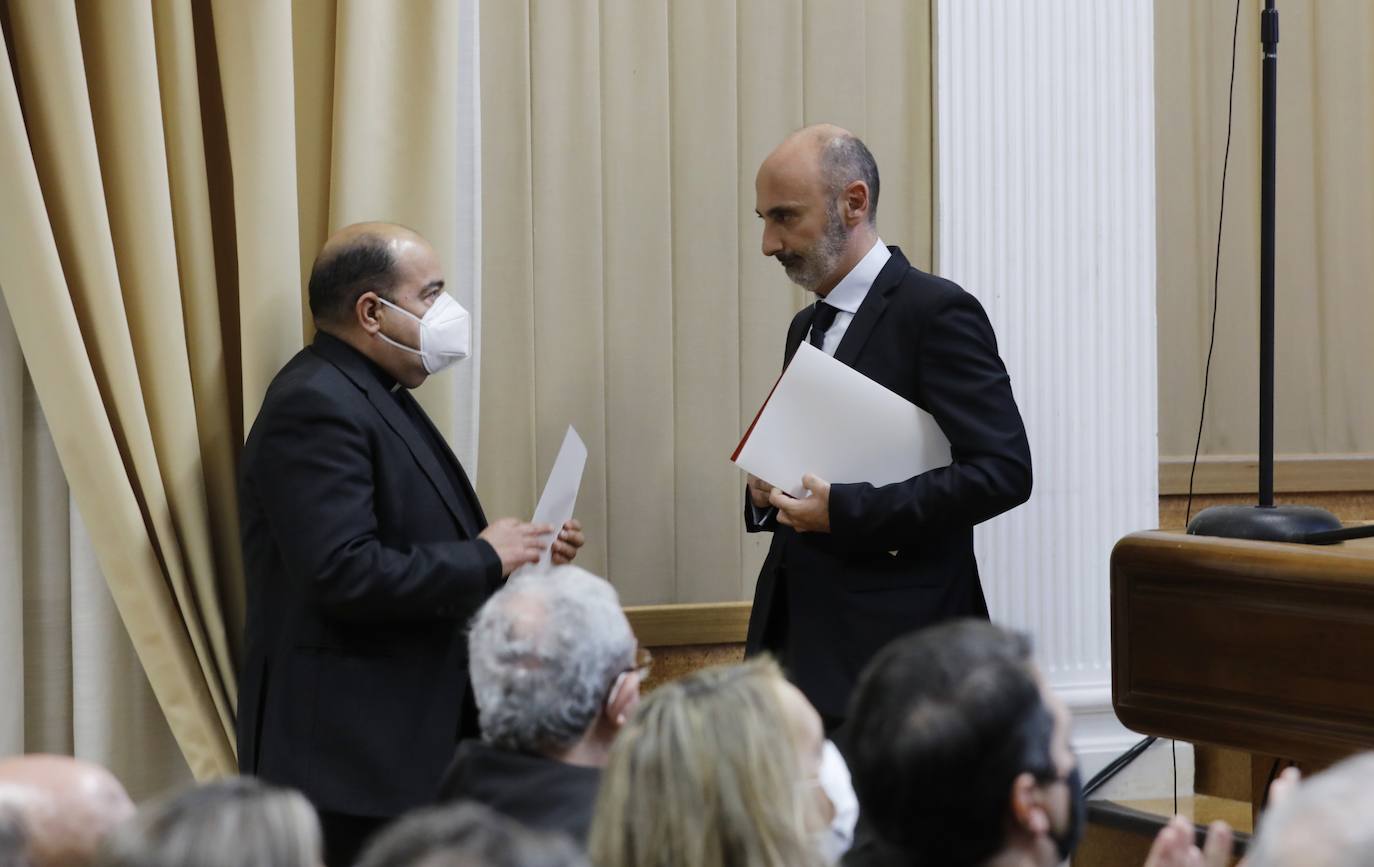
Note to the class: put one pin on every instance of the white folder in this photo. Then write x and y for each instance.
(825, 418)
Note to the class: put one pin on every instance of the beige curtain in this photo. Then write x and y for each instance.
(625, 291)
(70, 681)
(167, 171)
(1325, 193)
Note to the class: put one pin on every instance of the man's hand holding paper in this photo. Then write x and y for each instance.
(569, 540)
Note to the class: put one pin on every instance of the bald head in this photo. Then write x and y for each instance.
(828, 158)
(360, 258)
(817, 194)
(66, 806)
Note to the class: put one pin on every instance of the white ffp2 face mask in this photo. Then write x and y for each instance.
(445, 333)
(835, 840)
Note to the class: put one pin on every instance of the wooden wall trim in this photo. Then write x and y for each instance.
(678, 625)
(1237, 474)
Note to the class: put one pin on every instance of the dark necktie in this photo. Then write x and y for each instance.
(821, 321)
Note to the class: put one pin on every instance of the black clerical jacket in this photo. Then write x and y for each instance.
(536, 791)
(359, 532)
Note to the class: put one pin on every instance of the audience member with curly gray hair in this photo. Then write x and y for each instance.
(554, 673)
(234, 822)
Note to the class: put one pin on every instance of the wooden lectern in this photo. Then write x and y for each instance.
(1257, 646)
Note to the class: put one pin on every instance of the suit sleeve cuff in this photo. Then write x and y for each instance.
(491, 565)
(845, 521)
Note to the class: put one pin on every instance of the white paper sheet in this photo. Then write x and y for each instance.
(560, 493)
(826, 418)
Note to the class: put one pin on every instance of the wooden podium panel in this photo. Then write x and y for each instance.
(1258, 646)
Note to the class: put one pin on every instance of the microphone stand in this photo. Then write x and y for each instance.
(1267, 521)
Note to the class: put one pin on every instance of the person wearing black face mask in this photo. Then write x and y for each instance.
(960, 754)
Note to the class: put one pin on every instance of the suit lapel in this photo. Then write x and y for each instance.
(354, 366)
(800, 326)
(468, 493)
(871, 310)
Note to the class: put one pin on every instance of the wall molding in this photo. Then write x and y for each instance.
(1293, 474)
(1046, 213)
(679, 625)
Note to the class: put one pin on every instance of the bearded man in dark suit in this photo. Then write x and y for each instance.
(853, 566)
(365, 547)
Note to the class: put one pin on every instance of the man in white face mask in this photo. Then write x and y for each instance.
(365, 548)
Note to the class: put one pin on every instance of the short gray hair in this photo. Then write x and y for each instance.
(233, 822)
(466, 835)
(543, 653)
(1323, 823)
(846, 159)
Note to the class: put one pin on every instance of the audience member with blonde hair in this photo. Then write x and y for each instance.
(701, 778)
(234, 822)
(65, 806)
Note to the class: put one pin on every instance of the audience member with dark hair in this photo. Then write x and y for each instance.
(66, 806)
(553, 669)
(234, 822)
(466, 835)
(701, 778)
(961, 756)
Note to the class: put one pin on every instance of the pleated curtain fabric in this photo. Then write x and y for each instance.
(167, 173)
(70, 681)
(1324, 222)
(626, 291)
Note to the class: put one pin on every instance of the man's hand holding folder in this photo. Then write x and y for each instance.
(809, 514)
(826, 422)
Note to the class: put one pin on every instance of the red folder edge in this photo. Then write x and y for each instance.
(744, 439)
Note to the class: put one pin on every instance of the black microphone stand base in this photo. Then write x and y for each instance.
(1264, 523)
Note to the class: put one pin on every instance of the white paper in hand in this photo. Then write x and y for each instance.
(560, 493)
(826, 418)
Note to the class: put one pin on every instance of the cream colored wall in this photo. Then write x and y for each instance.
(1325, 226)
(623, 287)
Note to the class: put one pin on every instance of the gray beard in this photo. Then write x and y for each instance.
(820, 262)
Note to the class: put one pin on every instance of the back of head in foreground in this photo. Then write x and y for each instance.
(13, 840)
(546, 654)
(705, 776)
(958, 754)
(65, 806)
(1324, 822)
(466, 835)
(234, 822)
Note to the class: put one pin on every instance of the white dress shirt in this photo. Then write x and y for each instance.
(850, 292)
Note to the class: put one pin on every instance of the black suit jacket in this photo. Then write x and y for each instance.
(359, 538)
(900, 556)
